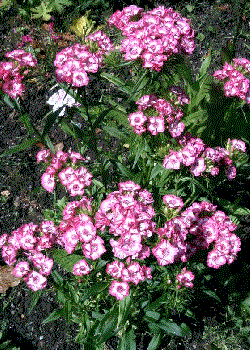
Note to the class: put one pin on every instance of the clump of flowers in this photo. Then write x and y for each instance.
(201, 158)
(73, 63)
(198, 227)
(234, 79)
(65, 168)
(12, 72)
(128, 215)
(153, 36)
(156, 115)
(30, 240)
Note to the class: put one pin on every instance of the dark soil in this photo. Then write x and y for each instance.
(20, 175)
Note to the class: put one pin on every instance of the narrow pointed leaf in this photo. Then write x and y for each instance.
(27, 144)
(55, 315)
(155, 342)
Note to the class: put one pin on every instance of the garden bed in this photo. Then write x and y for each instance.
(22, 201)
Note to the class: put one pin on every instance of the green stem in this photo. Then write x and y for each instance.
(94, 139)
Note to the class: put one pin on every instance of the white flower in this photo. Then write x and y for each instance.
(61, 99)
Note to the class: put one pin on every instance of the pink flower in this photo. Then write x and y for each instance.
(185, 278)
(115, 269)
(165, 252)
(216, 259)
(43, 263)
(198, 167)
(67, 176)
(43, 155)
(156, 125)
(137, 119)
(9, 254)
(176, 129)
(81, 268)
(94, 249)
(70, 239)
(3, 239)
(85, 229)
(75, 188)
(173, 160)
(120, 290)
(80, 78)
(230, 172)
(133, 273)
(127, 245)
(239, 145)
(172, 201)
(21, 269)
(48, 182)
(28, 241)
(75, 156)
(35, 281)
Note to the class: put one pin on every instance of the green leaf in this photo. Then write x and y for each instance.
(128, 341)
(186, 331)
(27, 144)
(212, 294)
(107, 327)
(93, 291)
(67, 307)
(205, 64)
(43, 11)
(200, 36)
(9, 101)
(55, 315)
(204, 89)
(59, 5)
(65, 260)
(242, 211)
(190, 8)
(125, 311)
(140, 84)
(170, 327)
(57, 278)
(34, 300)
(112, 131)
(72, 293)
(49, 143)
(25, 118)
(157, 169)
(155, 342)
(124, 170)
(51, 117)
(121, 84)
(155, 304)
(153, 315)
(68, 130)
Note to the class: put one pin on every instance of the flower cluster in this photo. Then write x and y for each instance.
(160, 113)
(61, 99)
(64, 166)
(128, 214)
(185, 278)
(13, 72)
(80, 229)
(73, 63)
(30, 240)
(233, 77)
(202, 158)
(153, 36)
(196, 228)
